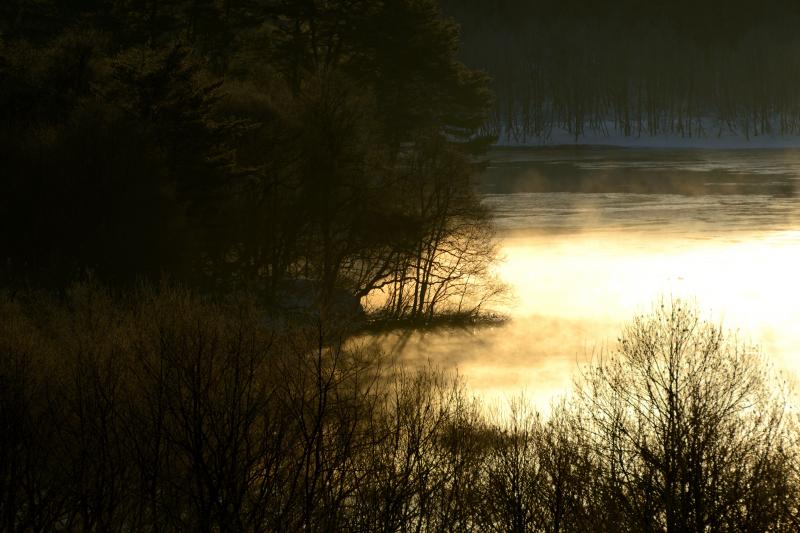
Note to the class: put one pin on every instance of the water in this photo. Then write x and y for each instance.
(593, 236)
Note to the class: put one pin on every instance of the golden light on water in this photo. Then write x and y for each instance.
(750, 284)
(592, 238)
(573, 293)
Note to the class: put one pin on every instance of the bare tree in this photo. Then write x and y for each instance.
(510, 497)
(687, 428)
(448, 268)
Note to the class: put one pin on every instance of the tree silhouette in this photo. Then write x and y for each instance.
(687, 428)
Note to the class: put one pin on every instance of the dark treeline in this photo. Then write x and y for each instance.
(308, 152)
(162, 411)
(625, 67)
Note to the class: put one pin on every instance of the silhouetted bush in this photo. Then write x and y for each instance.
(689, 430)
(159, 410)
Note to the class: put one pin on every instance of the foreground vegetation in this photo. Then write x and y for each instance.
(285, 160)
(164, 411)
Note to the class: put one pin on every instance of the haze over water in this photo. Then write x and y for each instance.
(593, 236)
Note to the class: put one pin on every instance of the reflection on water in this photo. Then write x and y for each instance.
(692, 217)
(717, 227)
(607, 170)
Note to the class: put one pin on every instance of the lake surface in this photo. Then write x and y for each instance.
(591, 237)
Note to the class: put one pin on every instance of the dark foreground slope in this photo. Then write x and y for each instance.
(163, 411)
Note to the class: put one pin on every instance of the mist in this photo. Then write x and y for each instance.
(399, 265)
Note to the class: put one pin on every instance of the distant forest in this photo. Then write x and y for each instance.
(626, 67)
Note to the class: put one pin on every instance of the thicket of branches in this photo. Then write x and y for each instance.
(298, 150)
(162, 411)
(272, 151)
(638, 69)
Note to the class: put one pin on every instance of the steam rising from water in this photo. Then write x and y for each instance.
(582, 264)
